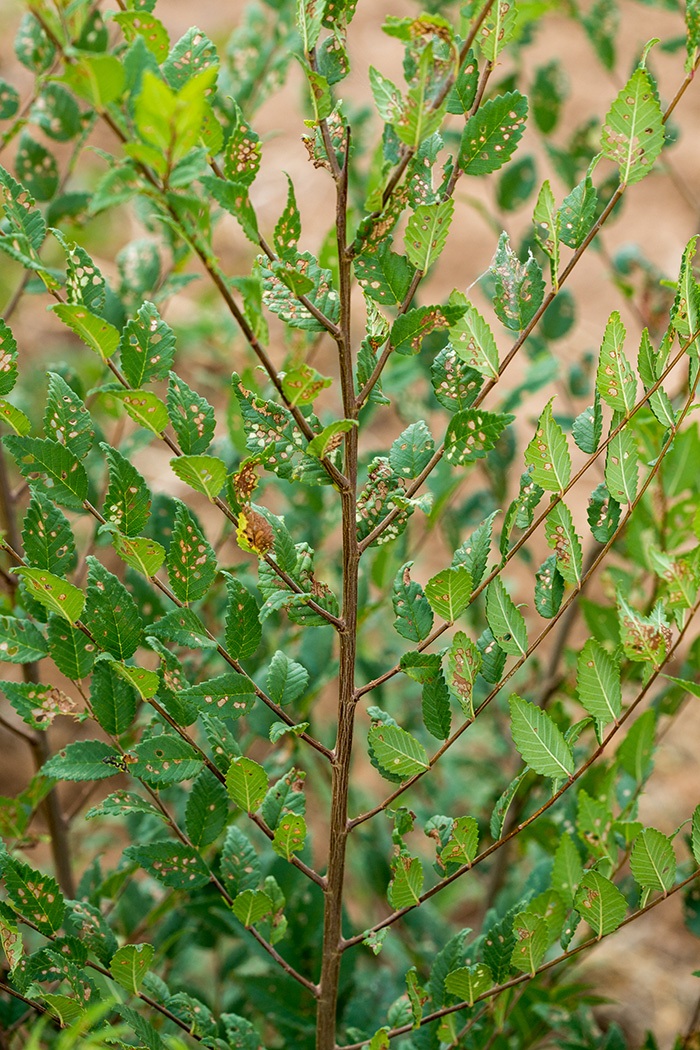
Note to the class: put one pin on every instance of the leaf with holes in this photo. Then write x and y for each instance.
(463, 92)
(386, 95)
(128, 500)
(469, 982)
(37, 705)
(598, 682)
(233, 197)
(150, 29)
(505, 620)
(409, 329)
(111, 614)
(67, 421)
(130, 964)
(653, 862)
(21, 641)
(286, 679)
(565, 542)
(53, 468)
(463, 665)
(426, 233)
(84, 283)
(112, 699)
(633, 133)
(577, 212)
(193, 53)
(141, 553)
(34, 895)
(615, 378)
(288, 227)
(240, 867)
(246, 783)
(548, 454)
(302, 385)
(83, 760)
(191, 416)
(329, 439)
(384, 276)
(164, 760)
(271, 433)
(145, 682)
(145, 408)
(9, 100)
(229, 695)
(191, 559)
(449, 592)
(414, 615)
(538, 740)
(455, 384)
(603, 514)
(47, 537)
(206, 474)
(243, 629)
(14, 417)
(207, 810)
(290, 836)
(95, 332)
(54, 593)
(397, 752)
(549, 588)
(147, 347)
(279, 298)
(242, 151)
(547, 223)
(679, 575)
(600, 903)
(25, 227)
(473, 341)
(622, 467)
(644, 638)
(172, 863)
(519, 288)
(405, 888)
(8, 359)
(472, 433)
(492, 134)
(36, 167)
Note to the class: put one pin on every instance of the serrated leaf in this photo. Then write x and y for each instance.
(111, 614)
(472, 433)
(397, 751)
(531, 942)
(191, 559)
(130, 964)
(233, 197)
(54, 593)
(242, 152)
(172, 863)
(227, 696)
(455, 384)
(290, 836)
(463, 91)
(21, 641)
(469, 982)
(35, 895)
(192, 53)
(414, 615)
(240, 867)
(47, 537)
(615, 378)
(329, 438)
(165, 759)
(598, 682)
(679, 575)
(251, 906)
(474, 552)
(84, 283)
(246, 783)
(120, 803)
(491, 135)
(549, 588)
(8, 359)
(463, 665)
(644, 638)
(622, 467)
(548, 453)
(205, 474)
(384, 276)
(302, 384)
(577, 212)
(283, 302)
(36, 704)
(83, 760)
(147, 347)
(184, 628)
(243, 628)
(547, 223)
(143, 24)
(112, 699)
(139, 552)
(128, 499)
(600, 903)
(410, 328)
(538, 740)
(519, 288)
(564, 541)
(435, 705)
(9, 100)
(386, 95)
(426, 233)
(603, 514)
(633, 133)
(145, 408)
(67, 421)
(505, 620)
(567, 869)
(191, 416)
(653, 862)
(473, 341)
(36, 167)
(99, 335)
(463, 843)
(26, 226)
(54, 469)
(206, 811)
(695, 834)
(587, 428)
(449, 592)
(497, 29)
(288, 227)
(405, 888)
(286, 679)
(69, 648)
(145, 682)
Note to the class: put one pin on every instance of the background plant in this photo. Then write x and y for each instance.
(321, 578)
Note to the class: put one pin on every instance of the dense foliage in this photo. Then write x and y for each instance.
(283, 595)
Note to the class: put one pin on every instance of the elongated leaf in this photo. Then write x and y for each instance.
(47, 537)
(384, 276)
(184, 628)
(531, 942)
(505, 620)
(622, 467)
(128, 499)
(55, 594)
(36, 704)
(588, 427)
(567, 869)
(172, 863)
(414, 615)
(426, 233)
(539, 742)
(405, 888)
(95, 332)
(111, 614)
(474, 552)
(53, 468)
(205, 474)
(21, 642)
(463, 91)
(615, 378)
(145, 682)
(207, 810)
(8, 359)
(603, 514)
(469, 982)
(228, 695)
(549, 588)
(577, 212)
(653, 862)
(462, 845)
(243, 628)
(286, 679)
(472, 433)
(130, 964)
(633, 134)
(67, 421)
(463, 665)
(112, 699)
(449, 592)
(290, 835)
(71, 651)
(548, 454)
(191, 416)
(145, 408)
(519, 288)
(246, 782)
(492, 134)
(397, 751)
(598, 682)
(473, 341)
(564, 541)
(240, 867)
(83, 760)
(35, 895)
(84, 283)
(191, 559)
(147, 347)
(600, 903)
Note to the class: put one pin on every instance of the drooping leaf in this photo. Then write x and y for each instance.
(505, 620)
(598, 682)
(191, 416)
(622, 467)
(548, 453)
(99, 335)
(472, 433)
(600, 903)
(172, 863)
(426, 233)
(653, 862)
(491, 135)
(633, 133)
(538, 740)
(519, 288)
(191, 559)
(111, 614)
(469, 982)
(397, 751)
(587, 428)
(52, 467)
(564, 541)
(207, 810)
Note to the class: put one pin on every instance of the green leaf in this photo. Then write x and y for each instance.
(67, 421)
(227, 696)
(549, 588)
(242, 152)
(603, 514)
(600, 903)
(548, 453)
(539, 742)
(474, 552)
(547, 223)
(207, 810)
(290, 835)
(191, 416)
(288, 227)
(384, 276)
(165, 760)
(184, 628)
(243, 628)
(387, 97)
(147, 347)
(491, 135)
(71, 651)
(598, 682)
(622, 467)
(405, 888)
(36, 168)
(469, 982)
(25, 227)
(531, 942)
(35, 895)
(463, 665)
(653, 862)
(9, 100)
(577, 212)
(473, 341)
(409, 329)
(426, 233)
(679, 575)
(283, 302)
(191, 559)
(140, 552)
(564, 541)
(615, 378)
(99, 335)
(21, 642)
(463, 843)
(8, 359)
(47, 537)
(251, 906)
(57, 113)
(286, 679)
(519, 288)
(380, 1039)
(397, 752)
(455, 384)
(497, 29)
(449, 592)
(435, 704)
(84, 283)
(145, 682)
(233, 197)
(310, 15)
(54, 593)
(644, 638)
(149, 28)
(328, 439)
(147, 1035)
(588, 427)
(128, 500)
(112, 699)
(130, 964)
(111, 614)
(633, 133)
(302, 385)
(247, 784)
(83, 760)
(636, 750)
(567, 869)
(240, 867)
(549, 91)
(463, 92)
(472, 433)
(205, 474)
(414, 615)
(36, 704)
(695, 834)
(145, 408)
(172, 863)
(192, 53)
(99, 79)
(54, 469)
(505, 620)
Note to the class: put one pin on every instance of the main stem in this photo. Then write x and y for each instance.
(338, 831)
